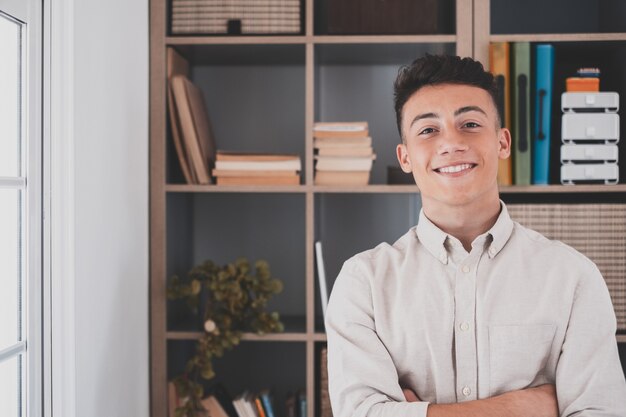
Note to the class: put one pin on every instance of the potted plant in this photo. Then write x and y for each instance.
(234, 298)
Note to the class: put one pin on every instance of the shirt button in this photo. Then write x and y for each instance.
(467, 391)
(465, 326)
(443, 257)
(492, 251)
(465, 269)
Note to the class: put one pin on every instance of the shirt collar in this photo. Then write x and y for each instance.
(434, 239)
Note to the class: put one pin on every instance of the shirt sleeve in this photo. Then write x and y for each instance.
(363, 380)
(589, 377)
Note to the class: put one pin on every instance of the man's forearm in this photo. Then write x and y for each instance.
(536, 402)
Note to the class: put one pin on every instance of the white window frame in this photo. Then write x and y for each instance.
(31, 348)
(59, 128)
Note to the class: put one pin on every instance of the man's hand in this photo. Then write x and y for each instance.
(409, 395)
(536, 402)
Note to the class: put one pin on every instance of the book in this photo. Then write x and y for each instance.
(341, 142)
(195, 126)
(321, 277)
(286, 165)
(521, 144)
(500, 68)
(544, 70)
(342, 177)
(224, 398)
(266, 400)
(302, 404)
(246, 173)
(345, 151)
(290, 405)
(339, 163)
(264, 180)
(259, 407)
(212, 405)
(173, 401)
(253, 156)
(340, 129)
(177, 65)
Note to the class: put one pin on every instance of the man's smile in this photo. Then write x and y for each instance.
(454, 169)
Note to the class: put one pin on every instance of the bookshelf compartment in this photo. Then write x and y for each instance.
(610, 58)
(254, 96)
(558, 16)
(355, 83)
(350, 223)
(251, 366)
(439, 17)
(223, 227)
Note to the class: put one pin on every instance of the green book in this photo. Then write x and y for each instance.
(521, 146)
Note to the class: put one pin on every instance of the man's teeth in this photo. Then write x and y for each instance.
(455, 168)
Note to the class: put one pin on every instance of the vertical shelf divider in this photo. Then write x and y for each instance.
(463, 30)
(481, 30)
(309, 109)
(158, 345)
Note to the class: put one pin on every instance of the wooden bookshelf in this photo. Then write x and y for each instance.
(306, 53)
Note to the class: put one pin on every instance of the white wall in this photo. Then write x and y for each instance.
(111, 206)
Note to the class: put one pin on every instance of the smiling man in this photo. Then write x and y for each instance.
(469, 313)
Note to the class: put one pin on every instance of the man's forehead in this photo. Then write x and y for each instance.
(450, 98)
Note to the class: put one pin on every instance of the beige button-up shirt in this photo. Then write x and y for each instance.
(517, 311)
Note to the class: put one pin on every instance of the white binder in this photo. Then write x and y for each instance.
(600, 127)
(582, 153)
(584, 102)
(589, 173)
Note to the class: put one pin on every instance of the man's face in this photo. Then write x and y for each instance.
(452, 143)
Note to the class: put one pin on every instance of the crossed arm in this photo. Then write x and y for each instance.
(537, 402)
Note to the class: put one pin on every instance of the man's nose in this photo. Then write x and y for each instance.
(451, 143)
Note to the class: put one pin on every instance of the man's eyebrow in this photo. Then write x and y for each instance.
(423, 116)
(468, 109)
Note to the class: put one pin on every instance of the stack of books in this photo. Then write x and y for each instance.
(239, 168)
(590, 133)
(344, 154)
(219, 403)
(236, 17)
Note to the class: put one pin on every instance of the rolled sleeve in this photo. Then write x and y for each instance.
(589, 378)
(363, 380)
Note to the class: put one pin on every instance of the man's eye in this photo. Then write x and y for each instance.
(427, 131)
(472, 124)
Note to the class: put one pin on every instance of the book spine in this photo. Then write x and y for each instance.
(500, 68)
(521, 146)
(543, 111)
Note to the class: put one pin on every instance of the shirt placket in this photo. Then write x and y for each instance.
(464, 329)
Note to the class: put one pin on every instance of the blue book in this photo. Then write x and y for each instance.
(544, 65)
(267, 403)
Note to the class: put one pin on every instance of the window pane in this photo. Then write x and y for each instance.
(10, 98)
(10, 267)
(10, 384)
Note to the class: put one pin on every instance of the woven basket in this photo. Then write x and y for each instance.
(596, 230)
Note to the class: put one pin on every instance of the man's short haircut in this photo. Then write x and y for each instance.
(441, 69)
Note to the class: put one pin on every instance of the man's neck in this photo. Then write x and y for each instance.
(464, 222)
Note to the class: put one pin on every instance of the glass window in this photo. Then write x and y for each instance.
(12, 210)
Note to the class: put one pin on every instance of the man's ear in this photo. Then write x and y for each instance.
(403, 158)
(504, 143)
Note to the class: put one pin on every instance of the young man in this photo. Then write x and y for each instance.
(469, 313)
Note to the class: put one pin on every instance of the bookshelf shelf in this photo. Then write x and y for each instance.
(281, 85)
(559, 37)
(250, 337)
(183, 188)
(413, 39)
(532, 189)
(236, 40)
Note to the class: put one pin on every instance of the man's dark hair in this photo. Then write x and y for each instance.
(441, 69)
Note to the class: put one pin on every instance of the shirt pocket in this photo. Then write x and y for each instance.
(518, 355)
